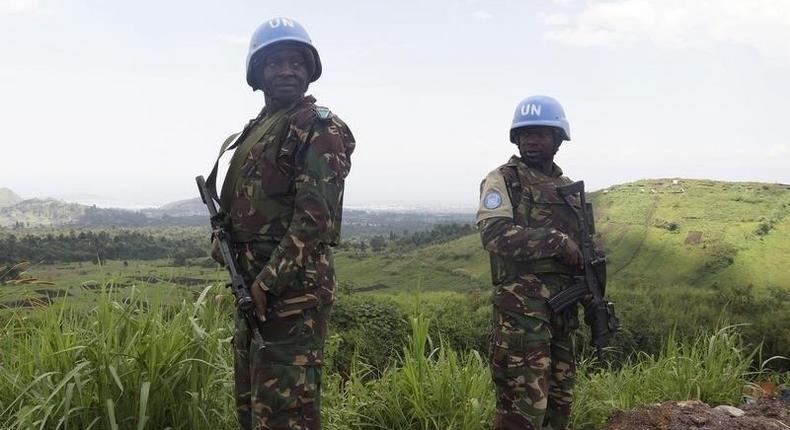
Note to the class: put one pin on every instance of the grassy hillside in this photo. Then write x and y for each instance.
(655, 232)
(696, 232)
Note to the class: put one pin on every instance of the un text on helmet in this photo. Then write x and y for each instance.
(530, 109)
(285, 22)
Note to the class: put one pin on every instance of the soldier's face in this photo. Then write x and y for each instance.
(283, 74)
(536, 144)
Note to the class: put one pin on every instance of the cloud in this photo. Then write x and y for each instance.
(763, 25)
(483, 14)
(10, 7)
(234, 39)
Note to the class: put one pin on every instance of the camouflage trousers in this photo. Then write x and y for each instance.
(532, 355)
(278, 384)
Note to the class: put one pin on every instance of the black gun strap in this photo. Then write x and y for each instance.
(230, 143)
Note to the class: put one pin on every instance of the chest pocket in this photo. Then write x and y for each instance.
(270, 169)
(548, 209)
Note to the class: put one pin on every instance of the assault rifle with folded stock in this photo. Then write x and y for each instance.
(599, 314)
(240, 290)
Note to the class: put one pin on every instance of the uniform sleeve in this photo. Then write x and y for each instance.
(320, 174)
(501, 235)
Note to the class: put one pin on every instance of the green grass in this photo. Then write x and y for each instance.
(430, 388)
(130, 364)
(157, 280)
(122, 364)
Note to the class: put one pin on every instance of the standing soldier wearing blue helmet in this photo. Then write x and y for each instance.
(532, 236)
(282, 203)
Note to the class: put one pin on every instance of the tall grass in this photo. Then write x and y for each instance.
(126, 364)
(123, 365)
(431, 388)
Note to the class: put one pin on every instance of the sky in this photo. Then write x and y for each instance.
(122, 104)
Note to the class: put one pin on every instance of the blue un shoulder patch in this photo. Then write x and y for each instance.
(492, 200)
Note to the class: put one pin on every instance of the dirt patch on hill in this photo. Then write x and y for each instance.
(694, 238)
(766, 414)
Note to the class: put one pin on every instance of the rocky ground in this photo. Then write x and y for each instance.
(766, 414)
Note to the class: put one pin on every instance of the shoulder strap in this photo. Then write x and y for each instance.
(513, 182)
(230, 143)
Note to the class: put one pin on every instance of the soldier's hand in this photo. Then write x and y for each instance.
(572, 257)
(215, 253)
(259, 298)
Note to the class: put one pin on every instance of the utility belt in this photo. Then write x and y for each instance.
(244, 237)
(505, 269)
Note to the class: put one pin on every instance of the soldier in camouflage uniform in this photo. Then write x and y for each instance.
(532, 237)
(283, 197)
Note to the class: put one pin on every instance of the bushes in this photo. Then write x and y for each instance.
(370, 326)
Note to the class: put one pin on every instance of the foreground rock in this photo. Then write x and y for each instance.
(766, 414)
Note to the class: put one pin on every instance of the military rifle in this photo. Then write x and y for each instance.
(237, 285)
(599, 314)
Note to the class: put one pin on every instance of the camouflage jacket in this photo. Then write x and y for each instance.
(523, 222)
(286, 197)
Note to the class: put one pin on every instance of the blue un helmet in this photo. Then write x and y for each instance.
(278, 30)
(540, 111)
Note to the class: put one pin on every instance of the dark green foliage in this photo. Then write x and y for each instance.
(719, 256)
(98, 246)
(463, 321)
(438, 234)
(670, 226)
(371, 326)
(377, 243)
(764, 227)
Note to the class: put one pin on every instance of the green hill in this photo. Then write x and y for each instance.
(655, 233)
(696, 232)
(8, 198)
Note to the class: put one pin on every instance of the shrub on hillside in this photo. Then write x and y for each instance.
(371, 326)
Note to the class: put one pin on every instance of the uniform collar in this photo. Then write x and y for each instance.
(556, 171)
(304, 101)
(532, 175)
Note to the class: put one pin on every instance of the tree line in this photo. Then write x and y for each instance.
(99, 246)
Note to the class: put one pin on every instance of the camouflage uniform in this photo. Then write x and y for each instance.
(524, 224)
(283, 195)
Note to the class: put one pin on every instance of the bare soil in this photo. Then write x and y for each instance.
(766, 414)
(693, 238)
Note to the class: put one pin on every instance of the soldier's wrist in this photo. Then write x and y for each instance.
(260, 284)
